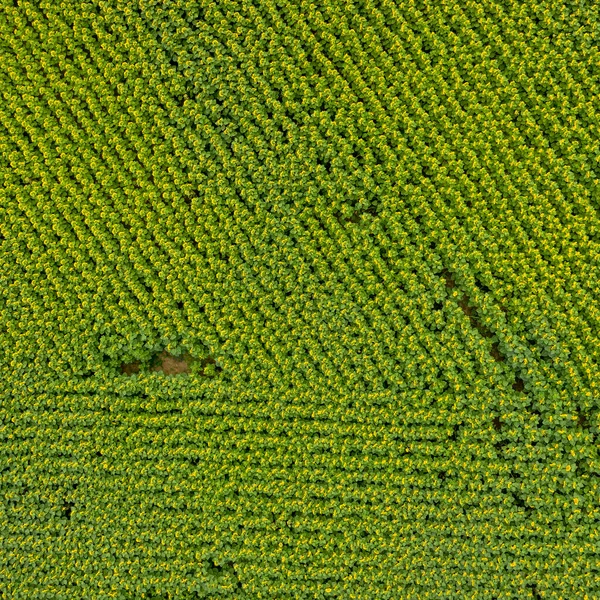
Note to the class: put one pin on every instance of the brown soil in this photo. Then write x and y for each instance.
(518, 385)
(450, 283)
(470, 312)
(168, 364)
(484, 331)
(464, 304)
(495, 352)
(172, 365)
(130, 368)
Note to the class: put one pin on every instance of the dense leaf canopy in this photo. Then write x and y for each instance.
(363, 239)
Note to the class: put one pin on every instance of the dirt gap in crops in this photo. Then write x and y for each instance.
(130, 368)
(172, 365)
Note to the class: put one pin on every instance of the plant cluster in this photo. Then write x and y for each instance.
(298, 300)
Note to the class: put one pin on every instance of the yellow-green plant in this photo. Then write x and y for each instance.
(372, 230)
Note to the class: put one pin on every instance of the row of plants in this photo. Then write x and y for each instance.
(298, 300)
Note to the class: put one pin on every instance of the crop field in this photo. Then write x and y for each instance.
(299, 300)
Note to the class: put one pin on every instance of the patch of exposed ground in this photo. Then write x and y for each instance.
(172, 365)
(518, 385)
(130, 368)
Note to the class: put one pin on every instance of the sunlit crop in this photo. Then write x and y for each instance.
(299, 300)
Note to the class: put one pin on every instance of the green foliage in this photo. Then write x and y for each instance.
(370, 228)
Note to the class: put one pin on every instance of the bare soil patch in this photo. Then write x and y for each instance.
(450, 283)
(172, 365)
(130, 368)
(518, 385)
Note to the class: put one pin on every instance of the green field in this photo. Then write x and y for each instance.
(299, 300)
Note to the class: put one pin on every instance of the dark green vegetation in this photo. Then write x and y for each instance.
(299, 300)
